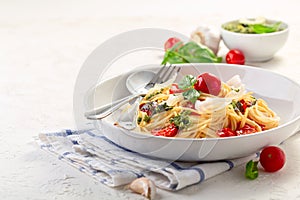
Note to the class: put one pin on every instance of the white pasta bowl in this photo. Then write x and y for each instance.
(256, 47)
(281, 94)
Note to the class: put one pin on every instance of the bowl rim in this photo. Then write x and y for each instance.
(285, 30)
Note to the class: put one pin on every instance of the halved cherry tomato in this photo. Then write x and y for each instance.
(147, 108)
(243, 105)
(171, 42)
(208, 83)
(235, 56)
(168, 131)
(226, 132)
(247, 129)
(272, 158)
(263, 127)
(175, 89)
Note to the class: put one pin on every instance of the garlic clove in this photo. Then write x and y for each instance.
(208, 36)
(143, 186)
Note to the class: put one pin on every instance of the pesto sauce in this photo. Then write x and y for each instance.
(238, 27)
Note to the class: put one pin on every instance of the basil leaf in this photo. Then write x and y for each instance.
(187, 82)
(263, 28)
(182, 120)
(176, 46)
(191, 95)
(161, 108)
(191, 52)
(173, 57)
(194, 51)
(251, 170)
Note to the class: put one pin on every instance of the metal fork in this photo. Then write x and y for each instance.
(163, 75)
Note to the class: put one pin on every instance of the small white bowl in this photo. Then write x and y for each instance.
(256, 47)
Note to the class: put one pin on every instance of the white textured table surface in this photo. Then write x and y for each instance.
(42, 47)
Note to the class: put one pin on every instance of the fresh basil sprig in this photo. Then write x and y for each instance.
(190, 52)
(192, 95)
(187, 83)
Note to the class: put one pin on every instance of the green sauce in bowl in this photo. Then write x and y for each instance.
(253, 26)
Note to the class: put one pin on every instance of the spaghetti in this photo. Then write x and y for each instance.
(187, 112)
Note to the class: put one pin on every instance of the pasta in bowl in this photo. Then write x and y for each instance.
(272, 114)
(203, 107)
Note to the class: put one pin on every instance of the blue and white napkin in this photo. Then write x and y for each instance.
(110, 164)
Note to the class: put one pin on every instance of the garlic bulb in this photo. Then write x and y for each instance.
(208, 36)
(143, 186)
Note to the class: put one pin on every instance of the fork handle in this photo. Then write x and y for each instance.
(107, 109)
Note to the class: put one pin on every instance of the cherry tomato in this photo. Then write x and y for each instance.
(235, 56)
(247, 129)
(171, 42)
(272, 158)
(226, 132)
(147, 108)
(242, 105)
(168, 131)
(175, 89)
(263, 127)
(208, 83)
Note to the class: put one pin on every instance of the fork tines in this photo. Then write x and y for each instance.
(163, 75)
(169, 72)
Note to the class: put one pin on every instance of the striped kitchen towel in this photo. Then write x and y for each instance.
(113, 165)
